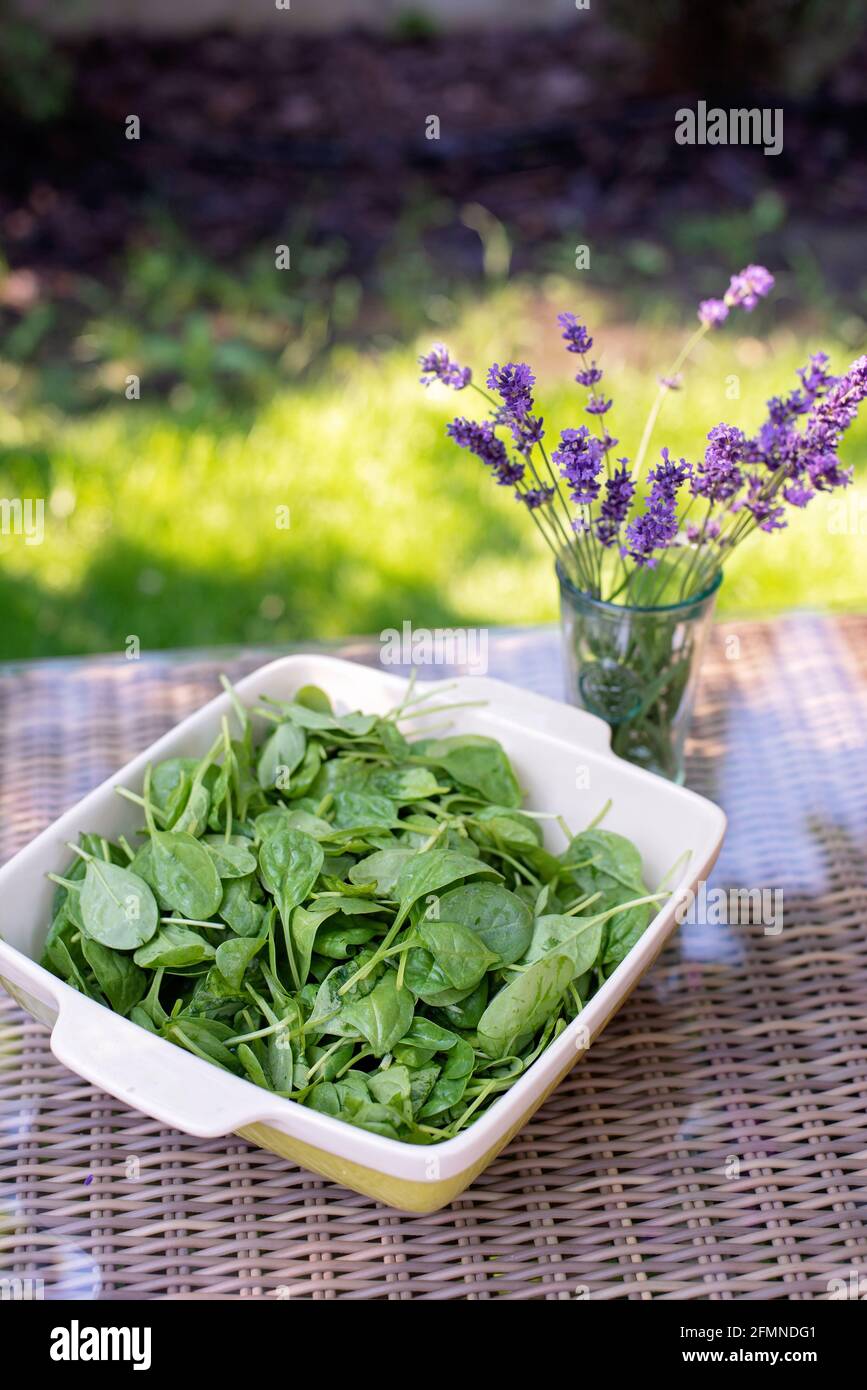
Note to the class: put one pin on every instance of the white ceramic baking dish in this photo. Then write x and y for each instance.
(562, 759)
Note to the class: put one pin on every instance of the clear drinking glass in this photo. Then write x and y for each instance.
(637, 669)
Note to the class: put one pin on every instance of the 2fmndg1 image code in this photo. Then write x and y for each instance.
(756, 1344)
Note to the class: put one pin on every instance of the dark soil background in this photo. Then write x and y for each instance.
(554, 132)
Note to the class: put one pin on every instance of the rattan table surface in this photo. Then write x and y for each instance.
(712, 1145)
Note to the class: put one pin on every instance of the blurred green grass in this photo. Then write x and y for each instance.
(164, 515)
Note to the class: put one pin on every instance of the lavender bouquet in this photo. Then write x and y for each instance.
(640, 555)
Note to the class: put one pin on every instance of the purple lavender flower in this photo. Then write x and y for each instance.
(527, 432)
(589, 376)
(575, 335)
(510, 474)
(536, 497)
(750, 285)
(780, 409)
(479, 437)
(667, 477)
(816, 381)
(792, 457)
(815, 377)
(579, 459)
(437, 365)
(708, 531)
(745, 290)
(719, 477)
(839, 407)
(808, 458)
(656, 528)
(798, 494)
(578, 340)
(768, 515)
(619, 492)
(672, 383)
(512, 384)
(713, 312)
(776, 446)
(825, 472)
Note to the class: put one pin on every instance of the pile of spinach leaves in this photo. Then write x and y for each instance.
(367, 925)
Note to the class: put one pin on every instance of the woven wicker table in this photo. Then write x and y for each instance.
(713, 1145)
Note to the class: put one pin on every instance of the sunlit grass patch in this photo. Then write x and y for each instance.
(165, 522)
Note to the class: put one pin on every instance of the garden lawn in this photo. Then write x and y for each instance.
(171, 526)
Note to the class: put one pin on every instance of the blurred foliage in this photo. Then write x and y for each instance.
(194, 331)
(35, 77)
(412, 25)
(794, 44)
(263, 390)
(208, 337)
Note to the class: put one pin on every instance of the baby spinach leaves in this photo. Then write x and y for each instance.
(427, 979)
(234, 955)
(382, 869)
(461, 955)
(186, 874)
(599, 859)
(281, 755)
(404, 785)
(608, 867)
(120, 979)
(366, 924)
(570, 936)
(239, 908)
(452, 1082)
(306, 922)
(206, 1037)
(524, 1004)
(426, 873)
(170, 787)
(116, 907)
(174, 946)
(363, 811)
(477, 763)
(289, 863)
(232, 858)
(383, 1015)
(500, 918)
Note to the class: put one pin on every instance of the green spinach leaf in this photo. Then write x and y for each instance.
(382, 1016)
(524, 1004)
(120, 979)
(186, 875)
(478, 763)
(500, 918)
(281, 755)
(117, 908)
(428, 872)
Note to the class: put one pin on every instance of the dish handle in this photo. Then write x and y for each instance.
(180, 1090)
